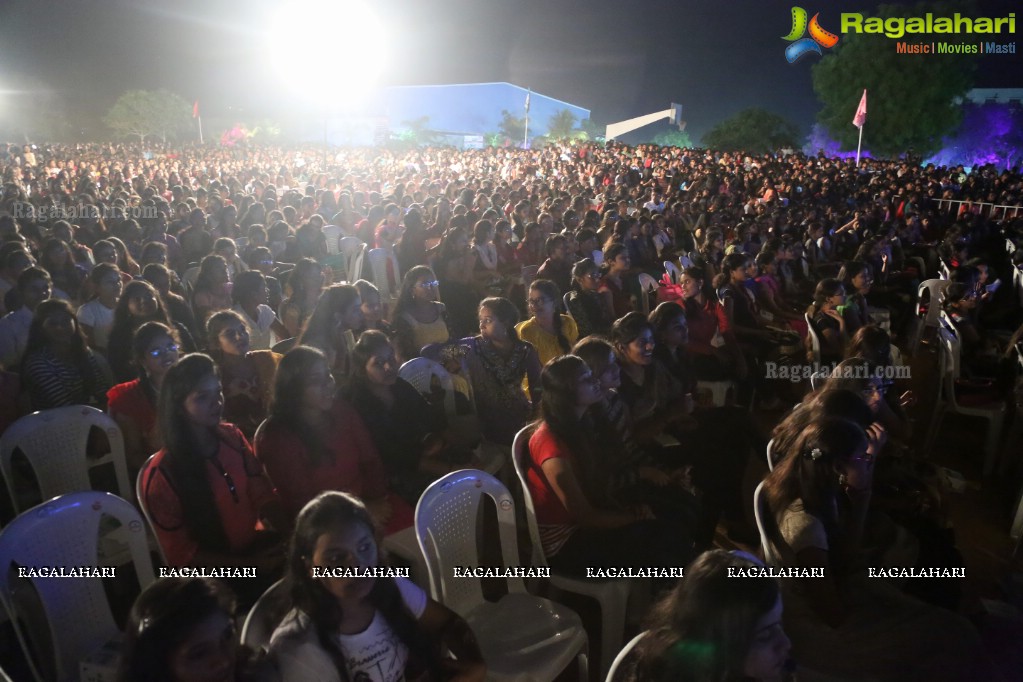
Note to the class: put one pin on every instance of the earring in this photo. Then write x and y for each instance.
(842, 480)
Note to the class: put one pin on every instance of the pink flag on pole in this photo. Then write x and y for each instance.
(861, 112)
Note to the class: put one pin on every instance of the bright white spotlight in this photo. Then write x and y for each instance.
(330, 50)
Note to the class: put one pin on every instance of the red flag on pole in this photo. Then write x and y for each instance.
(195, 109)
(861, 112)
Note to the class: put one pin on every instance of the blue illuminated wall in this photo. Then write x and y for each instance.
(473, 108)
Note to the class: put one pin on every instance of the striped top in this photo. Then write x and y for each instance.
(53, 382)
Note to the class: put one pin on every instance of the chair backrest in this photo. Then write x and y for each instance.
(770, 455)
(647, 286)
(817, 379)
(420, 372)
(686, 261)
(564, 299)
(948, 364)
(673, 272)
(332, 233)
(815, 341)
(354, 251)
(597, 256)
(55, 443)
(760, 511)
(932, 306)
(266, 614)
(943, 270)
(65, 532)
(520, 458)
(388, 284)
(284, 345)
(141, 501)
(612, 672)
(446, 527)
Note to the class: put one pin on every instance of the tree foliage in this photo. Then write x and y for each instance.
(145, 113)
(990, 133)
(512, 127)
(752, 130)
(673, 138)
(911, 98)
(561, 125)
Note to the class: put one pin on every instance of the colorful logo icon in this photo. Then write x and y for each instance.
(802, 46)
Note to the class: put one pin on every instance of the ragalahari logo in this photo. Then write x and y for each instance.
(802, 46)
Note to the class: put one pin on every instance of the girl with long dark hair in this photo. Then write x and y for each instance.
(420, 319)
(361, 628)
(313, 441)
(247, 375)
(550, 332)
(570, 464)
(587, 307)
(331, 327)
(205, 491)
(139, 303)
(305, 282)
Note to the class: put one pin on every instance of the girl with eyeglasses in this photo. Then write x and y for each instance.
(155, 348)
(814, 509)
(420, 319)
(550, 332)
(210, 501)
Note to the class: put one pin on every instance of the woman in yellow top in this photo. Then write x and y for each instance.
(551, 333)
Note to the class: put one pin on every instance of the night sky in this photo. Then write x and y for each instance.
(619, 59)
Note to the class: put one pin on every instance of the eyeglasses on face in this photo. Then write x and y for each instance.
(160, 352)
(537, 302)
(428, 285)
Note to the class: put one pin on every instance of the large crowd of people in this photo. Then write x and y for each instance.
(199, 296)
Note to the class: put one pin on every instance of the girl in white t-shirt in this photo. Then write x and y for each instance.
(97, 316)
(250, 296)
(361, 628)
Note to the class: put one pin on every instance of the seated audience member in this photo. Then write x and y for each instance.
(250, 297)
(614, 285)
(140, 303)
(570, 455)
(980, 355)
(97, 316)
(454, 265)
(344, 628)
(590, 311)
(550, 332)
(59, 369)
(498, 361)
(372, 309)
(409, 433)
(420, 319)
(312, 441)
(212, 289)
(132, 404)
(210, 501)
(305, 282)
(714, 626)
(183, 630)
(828, 321)
(331, 328)
(164, 281)
(34, 287)
(246, 375)
(846, 624)
(260, 258)
(857, 279)
(558, 266)
(55, 257)
(14, 260)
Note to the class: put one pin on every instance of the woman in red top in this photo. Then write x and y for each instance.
(155, 348)
(581, 523)
(206, 493)
(313, 442)
(715, 353)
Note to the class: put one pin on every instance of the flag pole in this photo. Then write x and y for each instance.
(525, 134)
(858, 145)
(199, 118)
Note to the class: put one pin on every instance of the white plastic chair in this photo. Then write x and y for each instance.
(770, 455)
(597, 256)
(818, 379)
(353, 250)
(686, 261)
(522, 637)
(718, 391)
(266, 614)
(420, 372)
(760, 511)
(332, 234)
(612, 595)
(612, 673)
(943, 270)
(55, 443)
(673, 272)
(65, 532)
(815, 341)
(388, 285)
(949, 372)
(528, 274)
(647, 285)
(934, 289)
